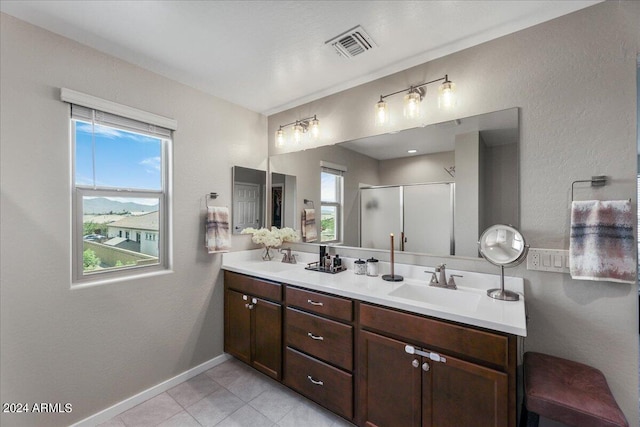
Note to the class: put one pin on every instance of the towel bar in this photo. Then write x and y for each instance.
(596, 181)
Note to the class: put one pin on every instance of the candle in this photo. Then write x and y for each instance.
(392, 255)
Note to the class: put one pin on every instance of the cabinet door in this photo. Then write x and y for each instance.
(389, 383)
(458, 393)
(237, 325)
(267, 337)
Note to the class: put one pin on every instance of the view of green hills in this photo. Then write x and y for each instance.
(102, 205)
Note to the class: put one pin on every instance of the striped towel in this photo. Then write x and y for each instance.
(218, 237)
(602, 245)
(309, 231)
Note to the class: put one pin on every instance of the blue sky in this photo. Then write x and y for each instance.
(123, 159)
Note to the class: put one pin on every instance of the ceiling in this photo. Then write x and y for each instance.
(269, 56)
(496, 128)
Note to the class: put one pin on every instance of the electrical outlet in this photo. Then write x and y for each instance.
(533, 261)
(555, 260)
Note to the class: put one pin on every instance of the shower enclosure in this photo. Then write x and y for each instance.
(421, 215)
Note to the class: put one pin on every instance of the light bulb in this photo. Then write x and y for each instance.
(412, 104)
(382, 116)
(280, 138)
(447, 95)
(297, 133)
(314, 125)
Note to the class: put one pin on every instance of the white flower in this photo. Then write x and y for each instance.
(273, 237)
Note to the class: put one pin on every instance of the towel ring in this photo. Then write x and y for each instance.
(209, 196)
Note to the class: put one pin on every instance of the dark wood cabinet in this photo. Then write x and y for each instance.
(253, 323)
(319, 348)
(405, 382)
(390, 384)
(373, 365)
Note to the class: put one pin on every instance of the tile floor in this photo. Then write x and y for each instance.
(228, 395)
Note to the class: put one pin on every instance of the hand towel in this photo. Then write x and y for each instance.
(602, 245)
(218, 237)
(309, 231)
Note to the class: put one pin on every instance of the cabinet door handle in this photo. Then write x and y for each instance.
(431, 355)
(315, 303)
(415, 363)
(254, 301)
(249, 306)
(315, 337)
(425, 367)
(316, 382)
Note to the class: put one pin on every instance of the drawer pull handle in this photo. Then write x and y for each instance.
(315, 303)
(316, 382)
(315, 337)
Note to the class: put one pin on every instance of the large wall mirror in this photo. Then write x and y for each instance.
(437, 186)
(248, 198)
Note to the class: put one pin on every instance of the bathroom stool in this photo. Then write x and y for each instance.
(569, 392)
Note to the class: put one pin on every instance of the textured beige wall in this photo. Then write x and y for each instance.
(574, 79)
(97, 346)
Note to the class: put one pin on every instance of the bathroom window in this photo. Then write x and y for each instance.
(120, 185)
(331, 188)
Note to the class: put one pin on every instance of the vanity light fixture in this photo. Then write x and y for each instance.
(300, 128)
(413, 98)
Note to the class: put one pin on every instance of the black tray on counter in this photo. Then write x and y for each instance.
(315, 267)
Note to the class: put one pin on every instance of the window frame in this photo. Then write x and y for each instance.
(78, 192)
(338, 204)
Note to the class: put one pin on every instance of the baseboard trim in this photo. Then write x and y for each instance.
(118, 408)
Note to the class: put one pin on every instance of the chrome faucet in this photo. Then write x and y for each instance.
(288, 257)
(439, 278)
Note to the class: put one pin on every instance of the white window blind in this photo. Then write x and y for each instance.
(90, 115)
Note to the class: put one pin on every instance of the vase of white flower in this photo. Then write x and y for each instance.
(271, 238)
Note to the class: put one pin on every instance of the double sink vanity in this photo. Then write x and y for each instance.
(378, 353)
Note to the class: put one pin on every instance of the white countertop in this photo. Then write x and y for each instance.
(469, 304)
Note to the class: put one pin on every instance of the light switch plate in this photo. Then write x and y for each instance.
(556, 260)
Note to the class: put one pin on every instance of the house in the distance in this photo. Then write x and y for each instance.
(137, 233)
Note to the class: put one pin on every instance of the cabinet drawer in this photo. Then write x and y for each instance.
(323, 338)
(436, 335)
(340, 308)
(329, 386)
(252, 286)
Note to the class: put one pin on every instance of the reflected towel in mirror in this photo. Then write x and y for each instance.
(218, 236)
(602, 241)
(309, 231)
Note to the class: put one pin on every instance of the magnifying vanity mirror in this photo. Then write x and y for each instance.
(434, 187)
(504, 246)
(248, 198)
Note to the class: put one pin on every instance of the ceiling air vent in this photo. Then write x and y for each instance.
(352, 43)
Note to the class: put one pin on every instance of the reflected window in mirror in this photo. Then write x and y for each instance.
(331, 189)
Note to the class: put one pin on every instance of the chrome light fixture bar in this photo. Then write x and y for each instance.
(413, 98)
(300, 128)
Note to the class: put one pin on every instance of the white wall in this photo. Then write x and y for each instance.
(94, 347)
(417, 169)
(468, 197)
(574, 80)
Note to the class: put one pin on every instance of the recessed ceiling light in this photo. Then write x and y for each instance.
(412, 151)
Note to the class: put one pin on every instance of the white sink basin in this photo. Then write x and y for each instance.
(271, 266)
(453, 298)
